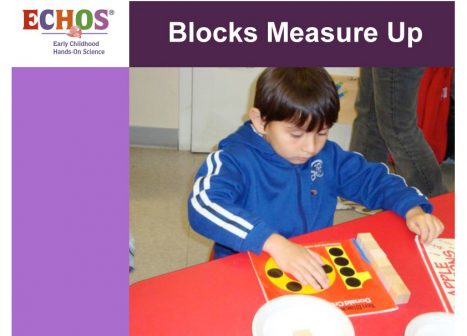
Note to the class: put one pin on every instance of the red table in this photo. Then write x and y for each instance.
(221, 297)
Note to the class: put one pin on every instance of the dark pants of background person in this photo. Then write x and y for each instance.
(386, 107)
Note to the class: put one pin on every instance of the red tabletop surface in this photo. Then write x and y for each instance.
(221, 297)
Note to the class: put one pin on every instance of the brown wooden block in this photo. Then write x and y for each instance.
(394, 284)
(367, 241)
(385, 273)
(368, 245)
(365, 236)
(384, 269)
(375, 254)
(399, 291)
(380, 262)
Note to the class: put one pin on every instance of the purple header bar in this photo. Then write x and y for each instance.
(150, 22)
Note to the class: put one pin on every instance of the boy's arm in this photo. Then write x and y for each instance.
(425, 225)
(214, 206)
(373, 185)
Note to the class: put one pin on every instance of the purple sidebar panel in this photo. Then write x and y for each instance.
(70, 201)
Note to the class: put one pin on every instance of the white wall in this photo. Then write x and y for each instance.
(349, 71)
(161, 98)
(221, 98)
(154, 97)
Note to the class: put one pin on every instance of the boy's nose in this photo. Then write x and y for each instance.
(309, 146)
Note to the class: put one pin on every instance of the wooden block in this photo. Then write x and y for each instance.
(393, 284)
(365, 236)
(366, 240)
(398, 290)
(386, 272)
(375, 254)
(381, 262)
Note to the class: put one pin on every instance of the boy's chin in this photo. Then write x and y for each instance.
(298, 160)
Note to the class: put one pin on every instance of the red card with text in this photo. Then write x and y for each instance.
(354, 285)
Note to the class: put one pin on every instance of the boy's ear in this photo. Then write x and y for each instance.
(258, 122)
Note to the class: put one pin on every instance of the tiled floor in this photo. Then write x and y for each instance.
(160, 181)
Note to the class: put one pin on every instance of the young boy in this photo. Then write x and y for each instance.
(278, 176)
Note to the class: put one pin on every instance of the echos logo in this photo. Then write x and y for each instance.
(60, 19)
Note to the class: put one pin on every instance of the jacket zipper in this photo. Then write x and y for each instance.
(300, 205)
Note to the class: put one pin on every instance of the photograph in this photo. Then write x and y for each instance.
(303, 177)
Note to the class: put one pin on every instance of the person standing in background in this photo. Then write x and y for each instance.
(386, 122)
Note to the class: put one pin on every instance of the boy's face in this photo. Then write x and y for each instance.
(293, 143)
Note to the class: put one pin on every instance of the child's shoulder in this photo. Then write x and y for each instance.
(332, 147)
(333, 152)
(237, 152)
(233, 148)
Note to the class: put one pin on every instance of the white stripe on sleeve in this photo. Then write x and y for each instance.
(213, 170)
(229, 227)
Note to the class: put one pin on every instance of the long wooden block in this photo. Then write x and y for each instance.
(393, 284)
(383, 267)
(397, 289)
(377, 256)
(367, 240)
(366, 236)
(380, 262)
(367, 244)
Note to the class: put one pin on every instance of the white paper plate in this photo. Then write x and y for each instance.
(301, 315)
(431, 324)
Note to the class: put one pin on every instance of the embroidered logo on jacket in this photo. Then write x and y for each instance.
(316, 169)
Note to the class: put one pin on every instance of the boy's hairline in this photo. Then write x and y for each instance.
(319, 127)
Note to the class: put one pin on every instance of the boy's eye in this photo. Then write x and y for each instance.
(296, 135)
(323, 133)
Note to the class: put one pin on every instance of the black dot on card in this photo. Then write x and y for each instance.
(336, 252)
(347, 271)
(341, 261)
(275, 273)
(327, 268)
(353, 282)
(293, 286)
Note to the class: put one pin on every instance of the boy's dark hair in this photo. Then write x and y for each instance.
(295, 95)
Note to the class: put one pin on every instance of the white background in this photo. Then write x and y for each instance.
(19, 48)
(34, 49)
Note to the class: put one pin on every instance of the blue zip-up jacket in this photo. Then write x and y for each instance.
(245, 191)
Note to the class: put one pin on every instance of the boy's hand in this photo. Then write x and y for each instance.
(425, 225)
(303, 264)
